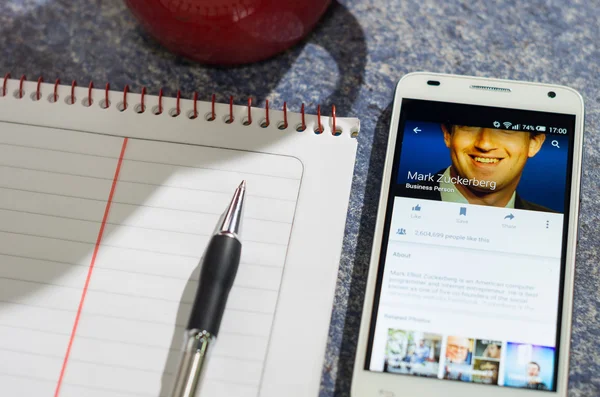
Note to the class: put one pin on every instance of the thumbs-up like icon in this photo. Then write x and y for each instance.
(416, 208)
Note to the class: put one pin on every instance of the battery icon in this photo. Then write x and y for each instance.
(540, 128)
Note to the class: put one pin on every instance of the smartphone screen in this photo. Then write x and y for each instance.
(470, 279)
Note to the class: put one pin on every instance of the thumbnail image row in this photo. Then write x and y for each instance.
(470, 360)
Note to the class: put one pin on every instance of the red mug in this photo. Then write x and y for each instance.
(228, 32)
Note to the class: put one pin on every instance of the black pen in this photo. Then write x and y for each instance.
(219, 265)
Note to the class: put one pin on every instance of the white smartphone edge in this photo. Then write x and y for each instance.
(456, 89)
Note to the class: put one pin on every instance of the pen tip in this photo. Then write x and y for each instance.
(243, 185)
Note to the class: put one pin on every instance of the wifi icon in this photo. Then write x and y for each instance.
(507, 124)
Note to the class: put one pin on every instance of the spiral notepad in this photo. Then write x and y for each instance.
(107, 200)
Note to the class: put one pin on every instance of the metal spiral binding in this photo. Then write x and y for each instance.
(175, 112)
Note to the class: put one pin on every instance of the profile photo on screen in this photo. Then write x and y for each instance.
(529, 366)
(459, 358)
(483, 166)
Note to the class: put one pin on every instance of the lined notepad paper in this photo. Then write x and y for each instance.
(94, 306)
(105, 213)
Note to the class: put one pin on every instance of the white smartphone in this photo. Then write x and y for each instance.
(470, 284)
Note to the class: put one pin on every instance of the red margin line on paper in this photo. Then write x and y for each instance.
(91, 269)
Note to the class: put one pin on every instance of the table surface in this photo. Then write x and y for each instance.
(353, 59)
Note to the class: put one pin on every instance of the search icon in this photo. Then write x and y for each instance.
(555, 143)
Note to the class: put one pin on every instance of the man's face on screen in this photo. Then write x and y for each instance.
(457, 349)
(533, 369)
(488, 154)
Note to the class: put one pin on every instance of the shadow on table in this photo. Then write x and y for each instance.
(339, 33)
(362, 255)
(101, 41)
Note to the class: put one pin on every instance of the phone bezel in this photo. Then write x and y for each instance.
(458, 89)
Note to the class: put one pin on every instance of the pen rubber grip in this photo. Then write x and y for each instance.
(219, 268)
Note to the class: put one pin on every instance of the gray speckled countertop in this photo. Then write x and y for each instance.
(373, 43)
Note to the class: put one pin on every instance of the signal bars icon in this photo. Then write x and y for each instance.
(507, 125)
